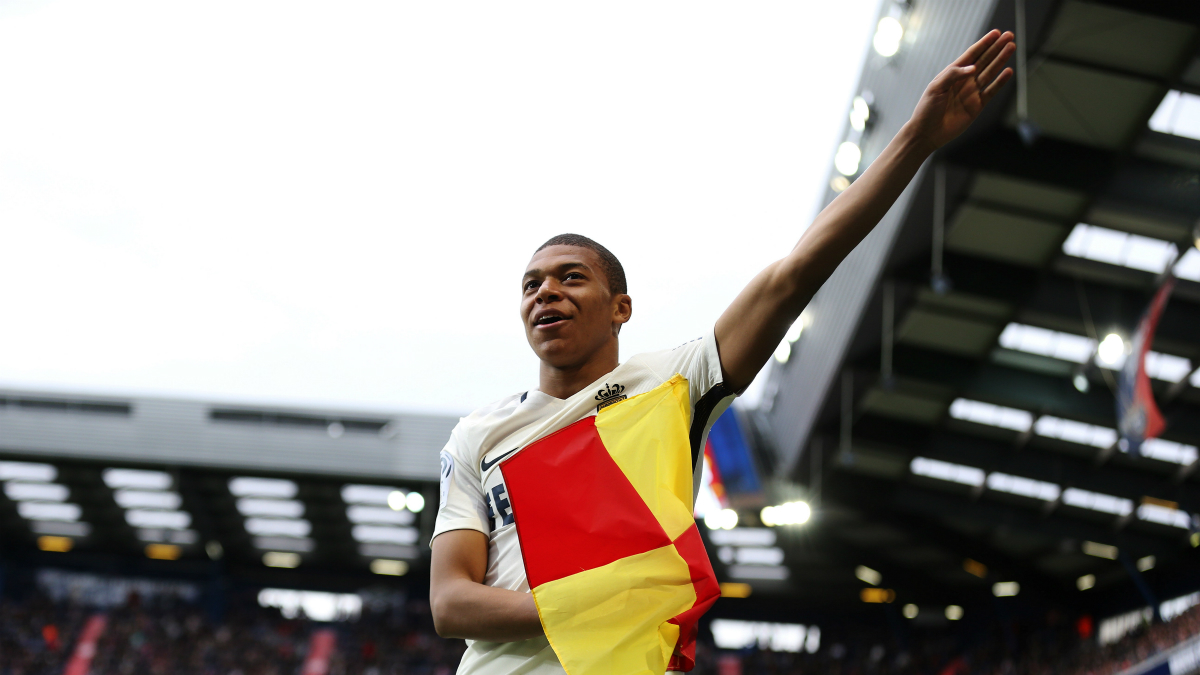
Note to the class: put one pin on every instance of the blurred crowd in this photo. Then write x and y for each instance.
(37, 637)
(169, 636)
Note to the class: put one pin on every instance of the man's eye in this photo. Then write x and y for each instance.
(574, 275)
(530, 285)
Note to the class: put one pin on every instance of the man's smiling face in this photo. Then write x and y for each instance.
(568, 309)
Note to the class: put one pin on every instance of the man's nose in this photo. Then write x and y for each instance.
(549, 291)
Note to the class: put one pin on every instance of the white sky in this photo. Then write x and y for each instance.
(332, 203)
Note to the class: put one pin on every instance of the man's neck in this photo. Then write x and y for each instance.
(563, 383)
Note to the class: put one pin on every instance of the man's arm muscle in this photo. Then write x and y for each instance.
(758, 318)
(462, 606)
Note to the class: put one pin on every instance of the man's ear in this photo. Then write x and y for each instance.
(622, 311)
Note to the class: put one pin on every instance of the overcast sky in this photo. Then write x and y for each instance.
(332, 203)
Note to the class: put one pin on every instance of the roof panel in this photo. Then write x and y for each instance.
(992, 233)
(1119, 38)
(943, 332)
(1027, 195)
(1088, 106)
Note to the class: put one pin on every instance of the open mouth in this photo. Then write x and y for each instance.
(549, 320)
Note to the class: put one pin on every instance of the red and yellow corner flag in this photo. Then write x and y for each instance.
(603, 512)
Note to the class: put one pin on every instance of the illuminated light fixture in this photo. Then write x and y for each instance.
(55, 544)
(379, 514)
(1075, 432)
(783, 352)
(41, 492)
(1120, 248)
(49, 511)
(758, 555)
(392, 568)
(839, 183)
(877, 595)
(1163, 515)
(1025, 487)
(1100, 550)
(888, 34)
(868, 575)
(273, 508)
(991, 415)
(847, 158)
(954, 612)
(1168, 451)
(743, 536)
(1146, 564)
(147, 499)
(1177, 114)
(30, 471)
(1080, 382)
(1005, 589)
(278, 527)
(789, 513)
(860, 113)
(136, 479)
(1194, 539)
(733, 589)
(299, 544)
(910, 611)
(388, 551)
(975, 568)
(396, 500)
(1086, 582)
(798, 326)
(758, 572)
(281, 559)
(1167, 367)
(247, 486)
(947, 471)
(60, 528)
(171, 520)
(415, 502)
(367, 494)
(163, 551)
(166, 536)
(1045, 342)
(1096, 501)
(382, 534)
(1111, 352)
(725, 519)
(777, 637)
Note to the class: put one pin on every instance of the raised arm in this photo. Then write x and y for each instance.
(758, 318)
(462, 606)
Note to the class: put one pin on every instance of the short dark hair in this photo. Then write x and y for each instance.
(608, 262)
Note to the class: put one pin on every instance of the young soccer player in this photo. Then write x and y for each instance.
(573, 304)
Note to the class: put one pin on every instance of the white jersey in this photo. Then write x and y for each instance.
(473, 495)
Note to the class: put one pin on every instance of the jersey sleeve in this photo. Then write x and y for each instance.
(700, 363)
(461, 505)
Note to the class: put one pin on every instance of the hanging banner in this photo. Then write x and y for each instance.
(1138, 417)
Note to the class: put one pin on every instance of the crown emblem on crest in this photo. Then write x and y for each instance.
(610, 394)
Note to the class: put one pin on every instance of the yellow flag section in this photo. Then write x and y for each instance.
(612, 553)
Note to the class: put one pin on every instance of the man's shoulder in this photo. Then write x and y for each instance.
(483, 419)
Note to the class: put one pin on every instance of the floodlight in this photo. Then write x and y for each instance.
(1111, 352)
(888, 34)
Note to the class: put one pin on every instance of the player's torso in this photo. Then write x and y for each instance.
(535, 417)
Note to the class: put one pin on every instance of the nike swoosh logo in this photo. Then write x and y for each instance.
(485, 465)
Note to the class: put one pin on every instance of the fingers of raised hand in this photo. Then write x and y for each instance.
(974, 51)
(989, 72)
(1004, 76)
(993, 51)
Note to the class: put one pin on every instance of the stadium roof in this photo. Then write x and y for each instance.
(939, 430)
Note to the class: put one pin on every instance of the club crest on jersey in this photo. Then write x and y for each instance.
(610, 394)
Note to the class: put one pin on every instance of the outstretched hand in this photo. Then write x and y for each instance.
(958, 94)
